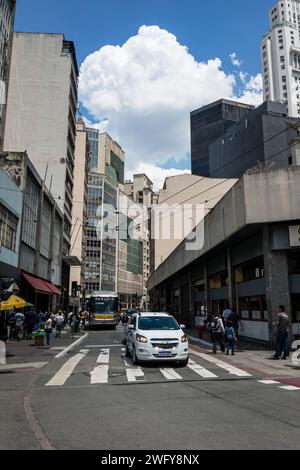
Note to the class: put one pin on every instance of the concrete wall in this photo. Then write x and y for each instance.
(38, 105)
(193, 190)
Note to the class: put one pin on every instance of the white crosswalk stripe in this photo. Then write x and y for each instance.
(135, 374)
(99, 374)
(223, 365)
(66, 370)
(170, 374)
(103, 357)
(102, 371)
(200, 370)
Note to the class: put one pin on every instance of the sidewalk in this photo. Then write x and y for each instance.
(25, 351)
(249, 356)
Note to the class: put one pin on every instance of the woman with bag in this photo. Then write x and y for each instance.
(48, 330)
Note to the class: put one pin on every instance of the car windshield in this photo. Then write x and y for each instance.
(158, 323)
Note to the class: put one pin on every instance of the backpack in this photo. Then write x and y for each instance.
(214, 325)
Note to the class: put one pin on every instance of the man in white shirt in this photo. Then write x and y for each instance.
(59, 321)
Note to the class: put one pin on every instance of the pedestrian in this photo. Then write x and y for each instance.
(48, 330)
(217, 332)
(226, 313)
(282, 337)
(231, 338)
(19, 320)
(30, 321)
(82, 318)
(235, 318)
(3, 328)
(59, 321)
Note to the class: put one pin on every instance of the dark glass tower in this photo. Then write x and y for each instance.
(208, 124)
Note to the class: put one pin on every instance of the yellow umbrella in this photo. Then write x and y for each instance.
(13, 302)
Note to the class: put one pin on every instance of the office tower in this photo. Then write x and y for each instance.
(208, 124)
(280, 54)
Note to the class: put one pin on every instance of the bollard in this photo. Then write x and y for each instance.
(2, 353)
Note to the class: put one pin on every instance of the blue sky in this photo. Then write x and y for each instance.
(209, 30)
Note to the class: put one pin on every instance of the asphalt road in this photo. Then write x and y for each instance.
(94, 399)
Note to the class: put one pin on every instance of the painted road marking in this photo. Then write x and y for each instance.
(223, 365)
(135, 374)
(170, 374)
(103, 357)
(198, 369)
(92, 346)
(268, 382)
(26, 365)
(99, 375)
(66, 370)
(289, 387)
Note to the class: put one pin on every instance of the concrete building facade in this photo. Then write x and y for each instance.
(249, 259)
(168, 220)
(280, 56)
(38, 240)
(7, 17)
(41, 112)
(207, 124)
(140, 189)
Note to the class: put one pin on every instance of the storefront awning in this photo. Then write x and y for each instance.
(53, 288)
(40, 286)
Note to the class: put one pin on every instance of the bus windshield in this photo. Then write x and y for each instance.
(104, 305)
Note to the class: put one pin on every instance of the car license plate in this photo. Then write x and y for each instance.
(164, 354)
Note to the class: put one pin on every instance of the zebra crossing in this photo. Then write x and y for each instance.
(108, 365)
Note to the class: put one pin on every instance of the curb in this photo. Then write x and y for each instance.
(200, 342)
(71, 346)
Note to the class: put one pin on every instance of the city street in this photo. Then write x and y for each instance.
(94, 398)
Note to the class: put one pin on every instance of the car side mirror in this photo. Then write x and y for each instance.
(131, 327)
(182, 327)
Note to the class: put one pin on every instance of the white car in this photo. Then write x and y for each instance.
(156, 337)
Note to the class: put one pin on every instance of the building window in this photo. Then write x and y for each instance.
(8, 228)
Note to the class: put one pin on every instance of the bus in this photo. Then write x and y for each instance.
(103, 310)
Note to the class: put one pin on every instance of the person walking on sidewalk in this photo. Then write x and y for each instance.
(231, 338)
(59, 321)
(48, 330)
(282, 337)
(217, 332)
(226, 313)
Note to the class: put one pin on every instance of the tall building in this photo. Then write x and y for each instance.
(207, 124)
(280, 54)
(262, 138)
(41, 112)
(79, 214)
(140, 189)
(110, 262)
(7, 16)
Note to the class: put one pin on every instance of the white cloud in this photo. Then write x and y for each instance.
(234, 59)
(253, 90)
(156, 175)
(143, 91)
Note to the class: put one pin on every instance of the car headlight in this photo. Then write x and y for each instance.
(184, 339)
(141, 339)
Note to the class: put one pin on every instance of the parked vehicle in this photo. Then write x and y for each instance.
(156, 337)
